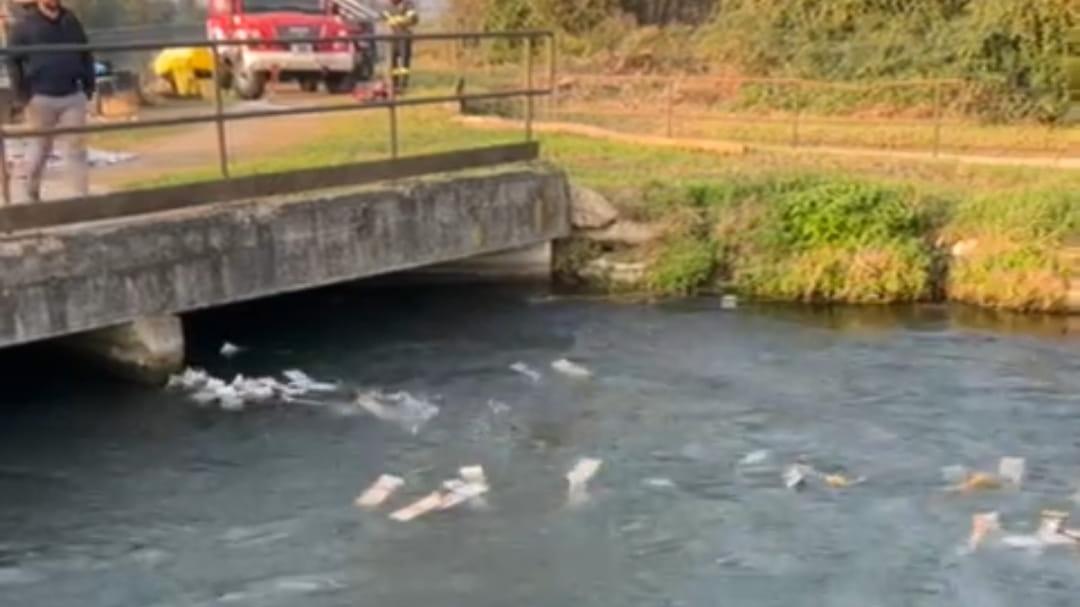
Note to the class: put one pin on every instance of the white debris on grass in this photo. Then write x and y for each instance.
(230, 350)
(379, 492)
(399, 407)
(523, 369)
(571, 369)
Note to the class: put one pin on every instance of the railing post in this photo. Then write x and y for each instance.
(393, 124)
(529, 101)
(219, 115)
(937, 118)
(5, 175)
(553, 85)
(796, 115)
(671, 108)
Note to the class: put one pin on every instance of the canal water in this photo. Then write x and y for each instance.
(120, 496)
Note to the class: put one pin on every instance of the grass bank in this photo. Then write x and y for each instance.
(819, 236)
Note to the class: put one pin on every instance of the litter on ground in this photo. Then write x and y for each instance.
(571, 369)
(527, 371)
(379, 492)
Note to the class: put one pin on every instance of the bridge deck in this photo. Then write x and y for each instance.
(99, 272)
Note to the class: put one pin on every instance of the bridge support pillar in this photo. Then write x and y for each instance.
(147, 350)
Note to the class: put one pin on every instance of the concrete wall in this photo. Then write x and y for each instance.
(88, 276)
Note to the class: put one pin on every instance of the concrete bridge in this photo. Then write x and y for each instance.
(119, 271)
(113, 274)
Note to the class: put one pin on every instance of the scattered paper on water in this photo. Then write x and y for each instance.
(303, 381)
(659, 483)
(430, 503)
(474, 474)
(229, 350)
(401, 408)
(380, 491)
(571, 369)
(459, 491)
(1011, 470)
(756, 458)
(583, 472)
(729, 302)
(523, 369)
(795, 476)
(206, 389)
(954, 475)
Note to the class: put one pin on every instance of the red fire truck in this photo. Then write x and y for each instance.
(269, 25)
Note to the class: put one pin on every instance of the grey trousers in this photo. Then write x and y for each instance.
(53, 112)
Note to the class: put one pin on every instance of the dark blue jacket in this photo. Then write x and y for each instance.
(54, 74)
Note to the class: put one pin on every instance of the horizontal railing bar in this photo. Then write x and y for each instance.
(253, 114)
(204, 43)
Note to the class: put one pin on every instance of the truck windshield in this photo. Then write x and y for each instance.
(293, 6)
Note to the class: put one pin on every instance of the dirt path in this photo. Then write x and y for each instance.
(727, 147)
(196, 147)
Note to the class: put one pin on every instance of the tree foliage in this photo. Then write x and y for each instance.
(1011, 49)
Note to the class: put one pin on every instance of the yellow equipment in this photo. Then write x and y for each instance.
(183, 68)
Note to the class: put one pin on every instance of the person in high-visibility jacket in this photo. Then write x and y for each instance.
(402, 18)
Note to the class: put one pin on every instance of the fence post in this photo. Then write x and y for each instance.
(937, 118)
(393, 124)
(671, 108)
(529, 108)
(4, 173)
(219, 115)
(553, 101)
(796, 115)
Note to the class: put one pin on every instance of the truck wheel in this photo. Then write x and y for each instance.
(309, 84)
(249, 85)
(340, 83)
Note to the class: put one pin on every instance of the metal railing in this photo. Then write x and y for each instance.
(914, 115)
(529, 40)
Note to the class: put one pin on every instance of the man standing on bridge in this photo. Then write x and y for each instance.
(402, 18)
(54, 88)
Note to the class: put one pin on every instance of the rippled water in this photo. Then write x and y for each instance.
(114, 495)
